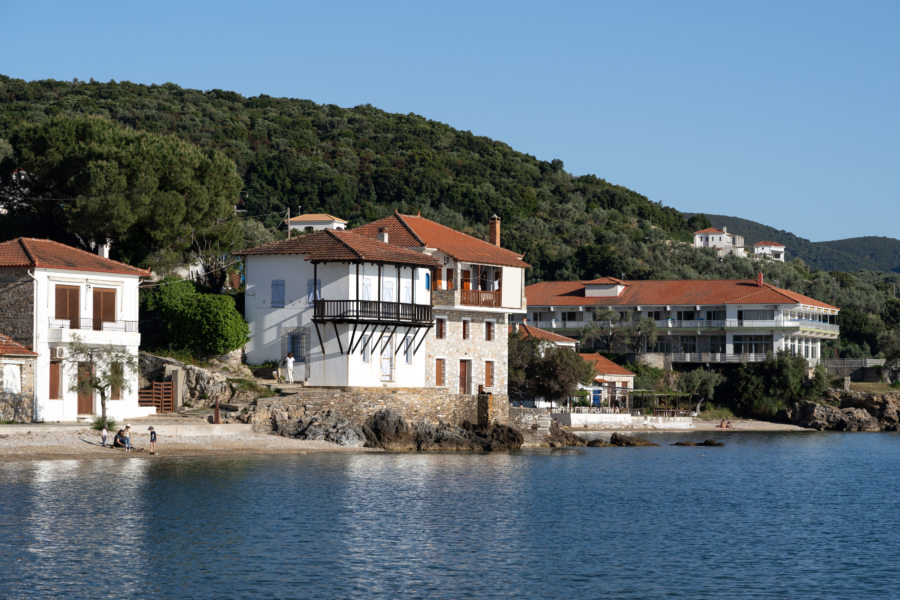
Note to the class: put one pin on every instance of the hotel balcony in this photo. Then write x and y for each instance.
(373, 312)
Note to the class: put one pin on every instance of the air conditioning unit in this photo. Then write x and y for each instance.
(58, 352)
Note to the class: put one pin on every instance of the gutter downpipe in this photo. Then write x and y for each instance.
(34, 331)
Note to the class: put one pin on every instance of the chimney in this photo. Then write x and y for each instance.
(494, 231)
(759, 280)
(724, 230)
(103, 249)
(383, 235)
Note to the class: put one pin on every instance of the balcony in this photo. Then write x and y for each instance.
(93, 331)
(480, 298)
(372, 311)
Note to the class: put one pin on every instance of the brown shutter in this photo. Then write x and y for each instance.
(54, 380)
(488, 374)
(466, 279)
(104, 307)
(62, 306)
(67, 305)
(488, 331)
(438, 279)
(465, 325)
(449, 279)
(439, 372)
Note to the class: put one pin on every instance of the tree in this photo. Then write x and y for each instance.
(110, 369)
(159, 200)
(561, 370)
(641, 334)
(889, 343)
(524, 352)
(701, 383)
(605, 327)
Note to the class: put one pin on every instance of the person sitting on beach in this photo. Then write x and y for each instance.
(722, 424)
(119, 440)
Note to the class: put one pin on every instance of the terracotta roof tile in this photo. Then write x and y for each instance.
(604, 366)
(10, 348)
(709, 230)
(605, 281)
(661, 293)
(413, 231)
(768, 244)
(30, 253)
(543, 334)
(333, 245)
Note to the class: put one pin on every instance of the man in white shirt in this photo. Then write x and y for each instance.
(289, 366)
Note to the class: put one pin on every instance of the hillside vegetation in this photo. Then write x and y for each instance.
(362, 163)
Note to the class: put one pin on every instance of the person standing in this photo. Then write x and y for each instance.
(289, 366)
(103, 434)
(152, 440)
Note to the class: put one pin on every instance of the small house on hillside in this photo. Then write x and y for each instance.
(770, 250)
(315, 222)
(721, 240)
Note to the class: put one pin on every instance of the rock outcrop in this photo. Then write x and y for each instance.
(849, 411)
(327, 426)
(703, 443)
(562, 438)
(202, 386)
(620, 439)
(388, 430)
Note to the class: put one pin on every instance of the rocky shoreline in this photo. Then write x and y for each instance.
(849, 411)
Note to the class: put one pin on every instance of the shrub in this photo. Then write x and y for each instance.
(98, 423)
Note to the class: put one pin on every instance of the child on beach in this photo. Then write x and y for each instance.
(127, 436)
(152, 440)
(103, 434)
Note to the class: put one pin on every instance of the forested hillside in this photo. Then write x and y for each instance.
(852, 254)
(357, 163)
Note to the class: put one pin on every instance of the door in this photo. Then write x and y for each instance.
(104, 307)
(463, 377)
(466, 279)
(67, 304)
(85, 397)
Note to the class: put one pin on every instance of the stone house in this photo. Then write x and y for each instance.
(16, 381)
(721, 240)
(53, 295)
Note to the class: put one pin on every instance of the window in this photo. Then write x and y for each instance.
(12, 379)
(465, 330)
(387, 291)
(55, 380)
(439, 372)
(366, 289)
(298, 344)
(489, 374)
(104, 307)
(67, 304)
(365, 348)
(313, 291)
(488, 331)
(406, 295)
(688, 344)
(278, 293)
(571, 315)
(427, 281)
(440, 328)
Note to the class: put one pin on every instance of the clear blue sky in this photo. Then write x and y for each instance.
(780, 112)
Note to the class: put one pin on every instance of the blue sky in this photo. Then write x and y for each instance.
(780, 112)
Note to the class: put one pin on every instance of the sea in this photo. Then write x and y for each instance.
(768, 515)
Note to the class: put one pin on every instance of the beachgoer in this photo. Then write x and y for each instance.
(152, 440)
(119, 440)
(722, 424)
(127, 436)
(289, 366)
(103, 434)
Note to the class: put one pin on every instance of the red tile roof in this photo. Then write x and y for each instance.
(605, 281)
(604, 366)
(10, 348)
(331, 245)
(413, 231)
(661, 293)
(709, 230)
(768, 244)
(542, 334)
(30, 253)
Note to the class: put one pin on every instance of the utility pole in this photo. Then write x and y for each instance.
(288, 221)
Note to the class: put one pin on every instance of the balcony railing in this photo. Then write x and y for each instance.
(701, 324)
(349, 311)
(480, 298)
(84, 323)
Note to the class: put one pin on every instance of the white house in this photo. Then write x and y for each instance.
(353, 311)
(476, 286)
(611, 382)
(721, 240)
(770, 250)
(315, 222)
(697, 321)
(52, 295)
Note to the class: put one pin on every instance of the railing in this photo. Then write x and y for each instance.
(715, 357)
(95, 324)
(691, 324)
(372, 310)
(698, 324)
(480, 298)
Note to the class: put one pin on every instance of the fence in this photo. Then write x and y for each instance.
(161, 396)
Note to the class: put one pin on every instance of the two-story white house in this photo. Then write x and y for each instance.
(769, 250)
(476, 287)
(52, 295)
(721, 240)
(353, 311)
(315, 222)
(702, 321)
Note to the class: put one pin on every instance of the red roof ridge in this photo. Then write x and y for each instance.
(766, 243)
(409, 227)
(27, 250)
(537, 332)
(353, 250)
(38, 253)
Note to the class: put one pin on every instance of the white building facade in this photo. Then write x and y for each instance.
(52, 296)
(769, 250)
(721, 240)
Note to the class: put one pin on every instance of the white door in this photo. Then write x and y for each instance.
(387, 356)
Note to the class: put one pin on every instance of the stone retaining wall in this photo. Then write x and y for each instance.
(17, 306)
(524, 418)
(357, 404)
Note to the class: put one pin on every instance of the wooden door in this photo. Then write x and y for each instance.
(466, 279)
(463, 377)
(85, 398)
(67, 304)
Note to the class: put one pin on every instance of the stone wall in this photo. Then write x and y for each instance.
(19, 407)
(523, 418)
(17, 306)
(357, 404)
(453, 348)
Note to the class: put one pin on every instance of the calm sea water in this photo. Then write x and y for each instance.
(767, 516)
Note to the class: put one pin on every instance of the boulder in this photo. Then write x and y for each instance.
(830, 418)
(388, 430)
(495, 437)
(328, 426)
(561, 438)
(620, 439)
(703, 443)
(599, 443)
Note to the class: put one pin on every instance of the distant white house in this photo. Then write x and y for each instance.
(721, 240)
(770, 250)
(51, 294)
(316, 222)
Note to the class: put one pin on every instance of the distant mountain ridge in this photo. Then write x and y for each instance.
(853, 254)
